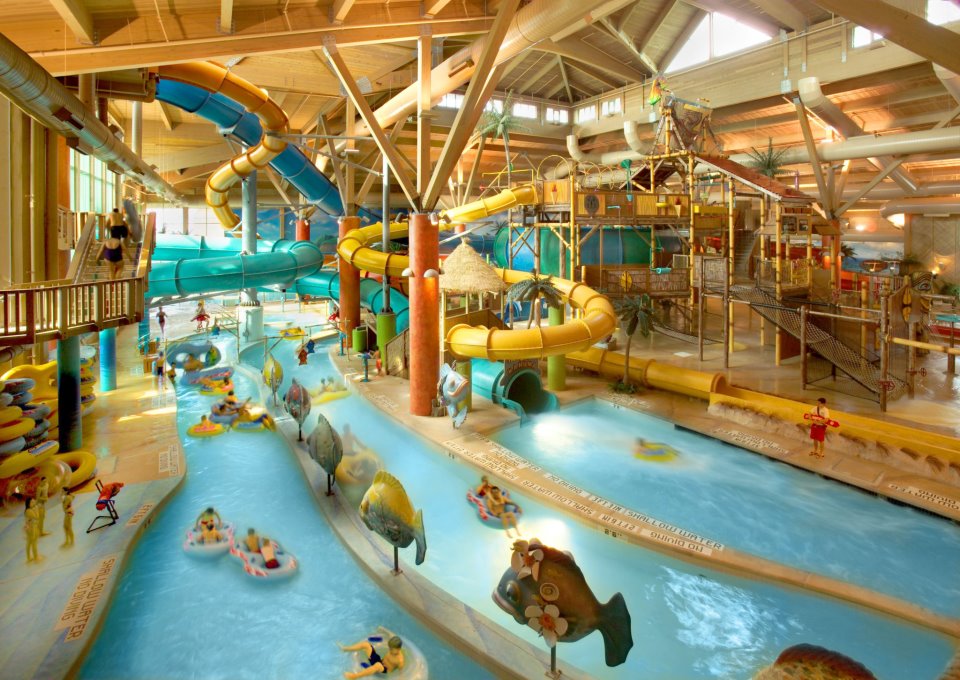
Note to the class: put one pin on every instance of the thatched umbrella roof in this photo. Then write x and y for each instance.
(464, 271)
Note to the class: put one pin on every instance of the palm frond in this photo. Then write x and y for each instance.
(768, 162)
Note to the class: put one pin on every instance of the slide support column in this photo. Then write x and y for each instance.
(349, 283)
(424, 314)
(303, 230)
(556, 366)
(465, 368)
(68, 393)
(108, 359)
(251, 313)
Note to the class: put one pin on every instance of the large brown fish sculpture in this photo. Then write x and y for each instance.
(545, 589)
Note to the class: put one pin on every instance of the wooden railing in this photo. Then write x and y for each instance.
(53, 310)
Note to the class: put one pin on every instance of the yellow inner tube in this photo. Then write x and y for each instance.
(25, 460)
(360, 468)
(10, 415)
(216, 389)
(17, 428)
(208, 429)
(324, 397)
(83, 464)
(654, 451)
(296, 332)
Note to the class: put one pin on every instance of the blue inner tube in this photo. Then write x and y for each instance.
(19, 385)
(223, 419)
(13, 446)
(22, 399)
(36, 411)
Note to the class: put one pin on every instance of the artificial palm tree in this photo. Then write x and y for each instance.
(501, 123)
(635, 313)
(767, 162)
(532, 290)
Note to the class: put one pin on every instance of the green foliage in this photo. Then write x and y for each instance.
(623, 388)
(767, 162)
(533, 289)
(635, 313)
(847, 250)
(951, 289)
(495, 124)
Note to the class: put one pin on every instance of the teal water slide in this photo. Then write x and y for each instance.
(522, 392)
(192, 265)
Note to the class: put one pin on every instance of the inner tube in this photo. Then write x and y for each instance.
(5, 399)
(295, 332)
(264, 422)
(359, 468)
(19, 385)
(22, 399)
(82, 463)
(254, 564)
(209, 429)
(25, 460)
(10, 414)
(195, 546)
(36, 411)
(655, 452)
(217, 418)
(195, 377)
(215, 390)
(324, 397)
(484, 514)
(38, 430)
(13, 446)
(414, 662)
(17, 428)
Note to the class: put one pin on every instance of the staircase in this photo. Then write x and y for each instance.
(92, 270)
(745, 248)
(847, 359)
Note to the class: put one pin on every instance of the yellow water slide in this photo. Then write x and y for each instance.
(477, 342)
(213, 77)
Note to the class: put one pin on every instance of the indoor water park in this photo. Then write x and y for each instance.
(507, 339)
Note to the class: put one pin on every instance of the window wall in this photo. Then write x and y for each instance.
(93, 188)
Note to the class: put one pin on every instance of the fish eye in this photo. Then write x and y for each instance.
(513, 591)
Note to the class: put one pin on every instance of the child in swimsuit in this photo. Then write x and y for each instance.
(375, 665)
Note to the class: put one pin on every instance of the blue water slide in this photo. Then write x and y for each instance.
(231, 118)
(522, 389)
(191, 265)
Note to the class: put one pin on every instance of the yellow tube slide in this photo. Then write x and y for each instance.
(650, 373)
(213, 77)
(598, 321)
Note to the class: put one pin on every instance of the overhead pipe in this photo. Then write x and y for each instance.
(814, 99)
(930, 205)
(537, 21)
(215, 78)
(950, 80)
(30, 87)
(890, 192)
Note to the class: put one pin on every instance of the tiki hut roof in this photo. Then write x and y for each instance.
(464, 271)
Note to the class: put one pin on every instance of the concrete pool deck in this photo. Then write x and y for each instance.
(50, 612)
(471, 445)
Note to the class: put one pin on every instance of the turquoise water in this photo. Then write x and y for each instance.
(749, 502)
(177, 616)
(687, 621)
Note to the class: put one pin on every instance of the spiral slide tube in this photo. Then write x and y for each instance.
(215, 78)
(598, 321)
(185, 265)
(232, 118)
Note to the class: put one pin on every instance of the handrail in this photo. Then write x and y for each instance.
(81, 252)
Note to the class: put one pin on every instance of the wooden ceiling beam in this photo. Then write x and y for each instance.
(784, 12)
(433, 7)
(226, 17)
(566, 80)
(596, 74)
(134, 44)
(166, 117)
(682, 39)
(902, 27)
(387, 147)
(340, 10)
(627, 13)
(627, 42)
(577, 50)
(529, 84)
(77, 18)
(482, 84)
(652, 29)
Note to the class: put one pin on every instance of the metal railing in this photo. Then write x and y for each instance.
(793, 274)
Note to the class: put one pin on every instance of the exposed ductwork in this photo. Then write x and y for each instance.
(537, 21)
(814, 99)
(30, 87)
(631, 132)
(891, 192)
(931, 205)
(950, 80)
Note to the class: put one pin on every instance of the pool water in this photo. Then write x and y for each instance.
(687, 621)
(174, 615)
(748, 501)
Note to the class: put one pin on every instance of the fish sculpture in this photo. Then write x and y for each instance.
(810, 662)
(454, 389)
(386, 509)
(272, 375)
(326, 449)
(297, 403)
(545, 589)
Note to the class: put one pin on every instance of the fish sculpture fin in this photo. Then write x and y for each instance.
(419, 536)
(385, 478)
(614, 625)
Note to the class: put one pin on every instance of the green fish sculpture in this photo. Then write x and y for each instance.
(545, 589)
(326, 448)
(386, 509)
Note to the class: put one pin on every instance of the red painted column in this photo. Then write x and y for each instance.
(303, 230)
(349, 284)
(424, 314)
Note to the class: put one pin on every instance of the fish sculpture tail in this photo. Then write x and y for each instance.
(614, 626)
(420, 537)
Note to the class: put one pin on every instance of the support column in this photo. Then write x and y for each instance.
(424, 314)
(68, 393)
(349, 283)
(386, 319)
(556, 366)
(251, 313)
(303, 230)
(108, 359)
